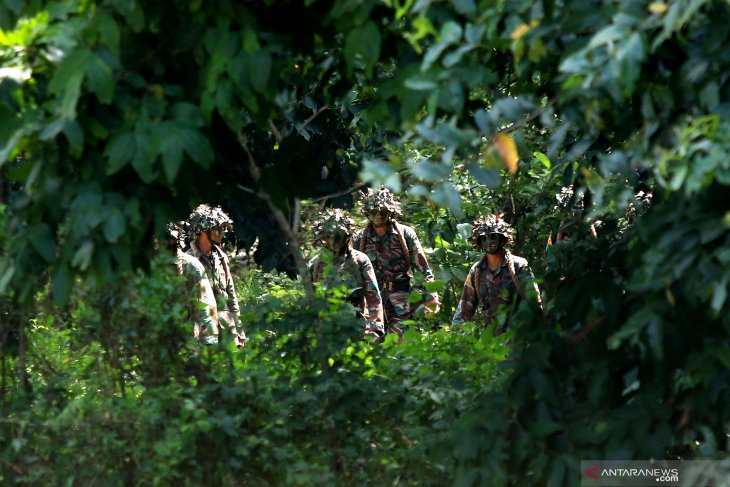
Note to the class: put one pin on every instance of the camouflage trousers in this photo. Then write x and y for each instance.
(397, 309)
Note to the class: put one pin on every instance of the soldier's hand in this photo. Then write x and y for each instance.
(240, 342)
(432, 307)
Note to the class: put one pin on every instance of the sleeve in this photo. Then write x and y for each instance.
(468, 303)
(231, 289)
(373, 300)
(419, 260)
(209, 309)
(526, 281)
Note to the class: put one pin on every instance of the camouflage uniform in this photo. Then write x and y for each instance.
(203, 306)
(216, 266)
(492, 289)
(393, 255)
(351, 268)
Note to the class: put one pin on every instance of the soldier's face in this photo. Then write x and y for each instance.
(492, 243)
(216, 234)
(379, 217)
(335, 242)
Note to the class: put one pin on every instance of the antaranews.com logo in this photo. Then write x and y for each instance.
(639, 473)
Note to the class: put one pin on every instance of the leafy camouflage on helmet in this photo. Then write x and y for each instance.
(331, 221)
(205, 217)
(569, 201)
(381, 199)
(484, 225)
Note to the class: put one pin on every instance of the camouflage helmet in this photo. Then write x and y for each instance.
(381, 199)
(331, 221)
(205, 217)
(485, 225)
(177, 231)
(569, 201)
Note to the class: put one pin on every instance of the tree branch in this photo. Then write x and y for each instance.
(281, 220)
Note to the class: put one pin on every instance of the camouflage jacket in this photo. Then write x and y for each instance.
(394, 255)
(492, 289)
(354, 270)
(221, 280)
(204, 309)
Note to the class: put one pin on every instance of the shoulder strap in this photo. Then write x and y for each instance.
(511, 266)
(403, 244)
(477, 282)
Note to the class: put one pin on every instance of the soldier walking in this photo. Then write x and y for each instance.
(202, 304)
(207, 225)
(338, 263)
(497, 277)
(394, 250)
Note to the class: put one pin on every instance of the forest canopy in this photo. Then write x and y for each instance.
(119, 116)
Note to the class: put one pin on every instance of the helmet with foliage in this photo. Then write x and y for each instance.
(205, 217)
(485, 225)
(569, 201)
(381, 199)
(332, 221)
(178, 232)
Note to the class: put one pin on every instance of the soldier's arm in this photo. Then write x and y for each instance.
(468, 303)
(373, 300)
(209, 312)
(526, 280)
(420, 262)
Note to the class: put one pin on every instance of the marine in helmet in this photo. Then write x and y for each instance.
(203, 308)
(207, 225)
(394, 250)
(498, 277)
(338, 263)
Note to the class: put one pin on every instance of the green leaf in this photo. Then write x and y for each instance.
(543, 159)
(61, 284)
(114, 226)
(101, 80)
(429, 171)
(414, 297)
(487, 176)
(362, 48)
(42, 241)
(82, 257)
(719, 296)
(434, 286)
(10, 132)
(259, 70)
(464, 7)
(67, 79)
(120, 151)
(464, 230)
(380, 172)
(109, 33)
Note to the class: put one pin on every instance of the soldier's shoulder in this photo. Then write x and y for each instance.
(358, 233)
(191, 263)
(520, 262)
(360, 256)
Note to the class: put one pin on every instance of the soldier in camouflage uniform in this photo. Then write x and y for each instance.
(394, 250)
(345, 265)
(207, 225)
(203, 308)
(494, 280)
(571, 207)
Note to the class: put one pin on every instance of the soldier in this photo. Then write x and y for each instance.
(571, 207)
(207, 225)
(203, 310)
(333, 230)
(493, 280)
(394, 250)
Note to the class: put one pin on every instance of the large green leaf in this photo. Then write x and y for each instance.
(362, 48)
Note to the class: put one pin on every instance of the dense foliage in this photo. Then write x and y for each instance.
(117, 116)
